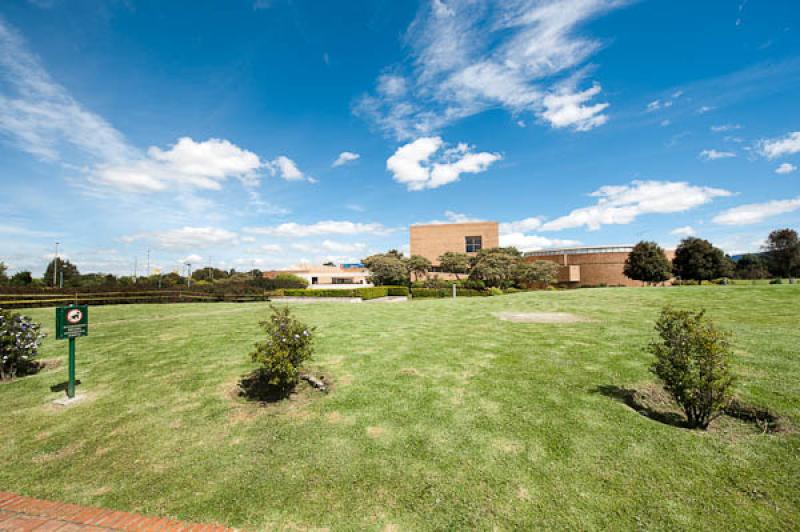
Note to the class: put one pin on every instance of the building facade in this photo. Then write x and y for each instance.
(329, 277)
(590, 266)
(433, 240)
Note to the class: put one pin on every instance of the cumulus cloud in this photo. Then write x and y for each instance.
(569, 109)
(468, 57)
(623, 204)
(686, 230)
(522, 226)
(525, 242)
(327, 227)
(756, 212)
(452, 217)
(413, 165)
(785, 168)
(287, 169)
(345, 157)
(187, 238)
(789, 144)
(187, 163)
(712, 155)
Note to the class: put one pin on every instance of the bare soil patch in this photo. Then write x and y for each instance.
(540, 317)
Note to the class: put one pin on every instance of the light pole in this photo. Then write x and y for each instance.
(55, 267)
(148, 262)
(188, 275)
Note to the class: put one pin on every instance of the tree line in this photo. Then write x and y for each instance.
(699, 260)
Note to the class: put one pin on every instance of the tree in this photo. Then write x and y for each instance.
(419, 266)
(496, 266)
(23, 278)
(751, 266)
(387, 269)
(783, 251)
(209, 274)
(3, 274)
(66, 269)
(647, 262)
(693, 362)
(540, 271)
(454, 262)
(699, 260)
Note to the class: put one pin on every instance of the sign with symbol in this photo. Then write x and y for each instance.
(72, 321)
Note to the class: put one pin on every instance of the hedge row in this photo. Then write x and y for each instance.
(363, 293)
(448, 292)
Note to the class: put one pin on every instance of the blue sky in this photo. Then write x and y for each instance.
(264, 133)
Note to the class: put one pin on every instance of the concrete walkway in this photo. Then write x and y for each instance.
(20, 513)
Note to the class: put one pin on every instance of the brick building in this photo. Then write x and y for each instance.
(433, 240)
(590, 266)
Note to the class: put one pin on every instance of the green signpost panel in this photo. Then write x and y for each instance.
(72, 322)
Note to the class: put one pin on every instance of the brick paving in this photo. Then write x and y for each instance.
(23, 514)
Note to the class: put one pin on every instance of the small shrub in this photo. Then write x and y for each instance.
(494, 291)
(776, 281)
(693, 361)
(283, 352)
(19, 345)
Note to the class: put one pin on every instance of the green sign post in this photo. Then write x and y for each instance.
(72, 322)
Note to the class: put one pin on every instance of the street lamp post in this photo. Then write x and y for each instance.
(55, 267)
(188, 275)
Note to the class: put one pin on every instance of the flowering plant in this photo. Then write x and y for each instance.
(286, 348)
(19, 344)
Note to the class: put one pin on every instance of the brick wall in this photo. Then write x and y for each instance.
(596, 268)
(431, 241)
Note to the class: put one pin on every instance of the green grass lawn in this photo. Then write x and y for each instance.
(441, 417)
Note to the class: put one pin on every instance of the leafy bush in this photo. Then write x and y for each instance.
(288, 280)
(447, 292)
(396, 290)
(287, 347)
(494, 291)
(776, 281)
(693, 361)
(19, 345)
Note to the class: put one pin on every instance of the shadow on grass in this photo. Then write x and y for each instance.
(633, 399)
(255, 386)
(655, 403)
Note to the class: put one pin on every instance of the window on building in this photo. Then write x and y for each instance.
(473, 244)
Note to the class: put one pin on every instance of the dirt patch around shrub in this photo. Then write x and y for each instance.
(540, 317)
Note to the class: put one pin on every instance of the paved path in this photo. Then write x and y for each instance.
(20, 513)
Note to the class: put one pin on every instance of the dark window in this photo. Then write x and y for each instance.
(314, 280)
(474, 243)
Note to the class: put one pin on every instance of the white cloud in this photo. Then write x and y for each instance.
(332, 227)
(467, 57)
(725, 127)
(785, 168)
(287, 169)
(623, 204)
(451, 217)
(713, 155)
(756, 212)
(686, 230)
(39, 116)
(345, 157)
(187, 238)
(704, 109)
(525, 242)
(522, 226)
(654, 105)
(343, 247)
(191, 259)
(411, 164)
(568, 110)
(271, 248)
(779, 147)
(187, 163)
